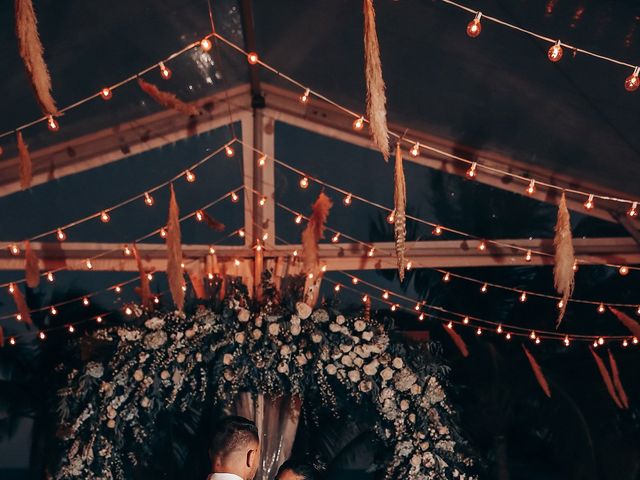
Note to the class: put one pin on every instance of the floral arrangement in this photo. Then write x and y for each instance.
(165, 364)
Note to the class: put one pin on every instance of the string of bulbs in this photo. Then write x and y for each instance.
(415, 147)
(104, 213)
(555, 52)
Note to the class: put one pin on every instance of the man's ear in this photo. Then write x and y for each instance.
(252, 457)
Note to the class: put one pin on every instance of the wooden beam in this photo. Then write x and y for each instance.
(342, 256)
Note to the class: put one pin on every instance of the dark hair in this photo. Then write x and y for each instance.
(230, 433)
(306, 471)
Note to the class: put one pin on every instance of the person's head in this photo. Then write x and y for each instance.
(296, 471)
(235, 447)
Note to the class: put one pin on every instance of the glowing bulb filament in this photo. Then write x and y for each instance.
(601, 308)
(484, 288)
(421, 317)
(71, 329)
(600, 341)
(304, 182)
(199, 215)
(148, 199)
(472, 173)
(163, 233)
(566, 341)
(106, 93)
(252, 58)
(229, 151)
(365, 298)
(52, 124)
(205, 44)
(234, 197)
(358, 123)
(623, 271)
(450, 325)
(391, 217)
(446, 277)
(128, 311)
(479, 331)
(508, 336)
(85, 301)
(99, 319)
(409, 265)
(262, 201)
(347, 200)
(14, 249)
(385, 295)
(335, 238)
(555, 52)
(241, 233)
(589, 204)
(354, 280)
(475, 27)
(499, 329)
(42, 335)
(415, 150)
(304, 98)
(633, 211)
(262, 160)
(54, 311)
(532, 187)
(105, 217)
(465, 320)
(532, 335)
(632, 82)
(482, 246)
(527, 257)
(337, 288)
(61, 235)
(190, 176)
(437, 231)
(165, 73)
(523, 297)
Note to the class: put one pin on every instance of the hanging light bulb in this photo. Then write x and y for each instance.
(298, 219)
(484, 288)
(472, 173)
(527, 257)
(623, 270)
(19, 317)
(163, 232)
(508, 336)
(415, 150)
(165, 73)
(236, 262)
(638, 310)
(199, 215)
(365, 298)
(523, 297)
(532, 335)
(532, 187)
(304, 182)
(14, 249)
(205, 44)
(482, 246)
(337, 288)
(265, 236)
(304, 98)
(53, 311)
(252, 58)
(106, 93)
(347, 200)
(394, 307)
(437, 231)
(52, 124)
(241, 233)
(354, 280)
(566, 341)
(190, 176)
(128, 311)
(71, 329)
(42, 335)
(118, 289)
(85, 301)
(537, 341)
(385, 295)
(258, 247)
(335, 238)
(600, 341)
(358, 123)
(499, 329)
(127, 251)
(12, 341)
(371, 252)
(262, 160)
(446, 277)
(262, 201)
(633, 211)
(98, 319)
(450, 325)
(295, 253)
(391, 217)
(89, 264)
(575, 265)
(479, 331)
(589, 204)
(555, 52)
(409, 265)
(632, 82)
(635, 340)
(625, 343)
(184, 288)
(12, 287)
(595, 344)
(323, 268)
(212, 251)
(475, 27)
(421, 317)
(148, 199)
(229, 151)
(465, 320)
(234, 197)
(601, 308)
(417, 307)
(50, 276)
(60, 235)
(105, 217)
(156, 300)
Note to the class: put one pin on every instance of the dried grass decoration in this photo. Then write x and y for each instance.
(537, 371)
(21, 304)
(563, 269)
(174, 253)
(399, 213)
(314, 232)
(606, 378)
(25, 162)
(457, 339)
(31, 266)
(166, 99)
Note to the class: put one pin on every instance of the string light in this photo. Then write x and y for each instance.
(205, 44)
(252, 58)
(53, 311)
(575, 266)
(537, 341)
(632, 82)
(371, 252)
(61, 235)
(394, 307)
(409, 265)
(229, 151)
(128, 311)
(85, 301)
(163, 232)
(499, 329)
(212, 251)
(523, 297)
(234, 197)
(555, 52)
(601, 308)
(527, 257)
(50, 276)
(105, 217)
(624, 271)
(566, 341)
(437, 231)
(12, 287)
(385, 295)
(52, 124)
(156, 300)
(14, 249)
(71, 329)
(295, 253)
(465, 320)
(241, 233)
(446, 277)
(347, 200)
(265, 236)
(148, 199)
(262, 201)
(635, 340)
(472, 173)
(149, 276)
(106, 93)
(118, 289)
(127, 251)
(482, 246)
(258, 247)
(625, 343)
(165, 73)
(450, 325)
(99, 319)
(304, 182)
(42, 335)
(633, 211)
(335, 238)
(304, 98)
(532, 187)
(589, 204)
(199, 215)
(12, 341)
(421, 317)
(600, 341)
(365, 298)
(354, 280)
(484, 288)
(391, 217)
(190, 176)
(337, 288)
(358, 123)
(417, 307)
(415, 150)
(19, 317)
(89, 264)
(475, 27)
(479, 331)
(184, 288)
(262, 160)
(508, 336)
(532, 335)
(236, 262)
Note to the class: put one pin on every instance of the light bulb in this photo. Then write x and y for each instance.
(106, 93)
(12, 341)
(479, 331)
(163, 232)
(105, 217)
(635, 340)
(632, 82)
(532, 187)
(409, 265)
(236, 262)
(633, 211)
(508, 336)
(14, 249)
(118, 289)
(555, 52)
(323, 268)
(560, 304)
(19, 317)
(128, 311)
(258, 247)
(472, 173)
(304, 98)
(450, 325)
(446, 277)
(532, 335)
(527, 257)
(437, 231)
(482, 246)
(337, 288)
(523, 297)
(623, 271)
(537, 340)
(262, 160)
(295, 253)
(638, 310)
(566, 341)
(50, 276)
(499, 329)
(262, 201)
(304, 182)
(335, 238)
(149, 276)
(52, 124)
(234, 197)
(71, 329)
(415, 150)
(417, 307)
(358, 123)
(589, 204)
(391, 217)
(241, 233)
(385, 295)
(190, 176)
(394, 307)
(61, 235)
(421, 317)
(99, 319)
(89, 264)
(199, 215)
(265, 236)
(575, 265)
(184, 288)
(347, 200)
(484, 288)
(156, 300)
(600, 341)
(212, 251)
(229, 151)
(465, 320)
(42, 335)
(474, 27)
(205, 44)
(601, 308)
(625, 343)
(354, 280)
(252, 58)
(127, 251)
(365, 298)
(85, 301)
(12, 287)
(148, 199)
(371, 252)
(53, 311)
(165, 73)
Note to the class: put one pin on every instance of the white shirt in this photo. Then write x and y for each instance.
(224, 476)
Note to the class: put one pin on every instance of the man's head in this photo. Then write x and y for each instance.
(235, 447)
(296, 471)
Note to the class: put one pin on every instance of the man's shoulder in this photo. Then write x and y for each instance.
(223, 476)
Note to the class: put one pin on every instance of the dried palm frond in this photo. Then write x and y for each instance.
(627, 321)
(563, 271)
(457, 339)
(615, 373)
(21, 305)
(537, 371)
(399, 214)
(174, 253)
(606, 378)
(166, 99)
(315, 231)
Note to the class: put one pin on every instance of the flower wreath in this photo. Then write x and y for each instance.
(170, 363)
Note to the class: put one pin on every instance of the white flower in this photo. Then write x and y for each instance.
(138, 375)
(145, 402)
(367, 336)
(360, 325)
(371, 368)
(358, 362)
(274, 329)
(189, 333)
(198, 357)
(365, 386)
(239, 337)
(181, 357)
(386, 393)
(340, 319)
(154, 323)
(283, 368)
(177, 378)
(345, 347)
(301, 360)
(316, 337)
(404, 405)
(354, 376)
(334, 327)
(416, 389)
(111, 412)
(296, 329)
(227, 359)
(243, 315)
(155, 340)
(164, 375)
(303, 310)
(347, 361)
(257, 333)
(386, 374)
(295, 320)
(412, 417)
(95, 369)
(258, 321)
(320, 316)
(111, 424)
(285, 350)
(331, 369)
(397, 363)
(416, 460)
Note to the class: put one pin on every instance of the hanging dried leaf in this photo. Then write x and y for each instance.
(174, 253)
(399, 213)
(166, 99)
(606, 378)
(31, 266)
(213, 223)
(25, 162)
(627, 321)
(145, 289)
(1, 337)
(615, 373)
(457, 339)
(315, 231)
(21, 305)
(537, 371)
(32, 54)
(563, 273)
(376, 97)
